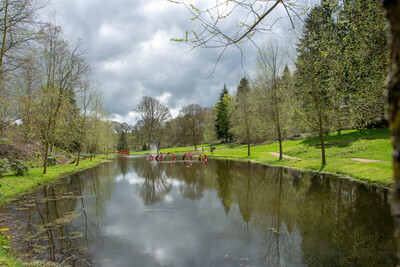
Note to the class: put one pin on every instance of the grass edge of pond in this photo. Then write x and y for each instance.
(340, 149)
(337, 175)
(25, 185)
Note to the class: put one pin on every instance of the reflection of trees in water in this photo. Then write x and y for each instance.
(154, 189)
(272, 215)
(313, 219)
(224, 184)
(345, 224)
(193, 182)
(302, 218)
(57, 214)
(244, 199)
(125, 165)
(155, 186)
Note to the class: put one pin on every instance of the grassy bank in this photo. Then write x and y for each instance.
(13, 186)
(342, 152)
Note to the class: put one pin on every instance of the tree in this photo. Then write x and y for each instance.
(392, 8)
(16, 20)
(122, 143)
(243, 114)
(63, 67)
(222, 122)
(193, 117)
(250, 16)
(357, 64)
(89, 97)
(312, 71)
(27, 82)
(271, 99)
(153, 114)
(209, 133)
(97, 128)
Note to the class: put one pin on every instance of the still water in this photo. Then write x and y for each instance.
(132, 212)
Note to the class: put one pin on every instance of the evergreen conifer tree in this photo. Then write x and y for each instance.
(222, 122)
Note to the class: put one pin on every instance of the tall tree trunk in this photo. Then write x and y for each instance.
(321, 137)
(248, 141)
(393, 82)
(46, 156)
(79, 155)
(47, 140)
(279, 138)
(3, 45)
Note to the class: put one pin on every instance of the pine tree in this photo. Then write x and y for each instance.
(122, 143)
(313, 70)
(359, 63)
(222, 123)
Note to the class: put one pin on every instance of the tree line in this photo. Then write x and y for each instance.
(47, 91)
(335, 83)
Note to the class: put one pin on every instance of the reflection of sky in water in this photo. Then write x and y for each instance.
(176, 231)
(227, 214)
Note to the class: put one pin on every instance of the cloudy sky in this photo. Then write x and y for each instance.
(129, 47)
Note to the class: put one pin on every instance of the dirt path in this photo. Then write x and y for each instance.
(369, 160)
(284, 156)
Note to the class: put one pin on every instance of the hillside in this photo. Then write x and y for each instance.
(361, 154)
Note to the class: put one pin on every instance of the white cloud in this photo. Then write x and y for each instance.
(132, 55)
(164, 97)
(130, 118)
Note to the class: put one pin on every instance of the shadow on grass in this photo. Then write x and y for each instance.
(347, 138)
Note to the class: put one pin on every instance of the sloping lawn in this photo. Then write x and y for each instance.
(341, 150)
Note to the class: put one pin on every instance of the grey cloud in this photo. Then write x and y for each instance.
(129, 48)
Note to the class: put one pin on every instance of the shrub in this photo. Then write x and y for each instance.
(4, 239)
(144, 147)
(38, 155)
(52, 160)
(4, 166)
(31, 164)
(19, 167)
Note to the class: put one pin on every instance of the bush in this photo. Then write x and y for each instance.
(19, 167)
(38, 155)
(144, 147)
(4, 166)
(31, 164)
(52, 160)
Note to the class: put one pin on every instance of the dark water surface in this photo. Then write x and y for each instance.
(131, 212)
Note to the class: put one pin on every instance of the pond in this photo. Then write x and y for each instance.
(133, 212)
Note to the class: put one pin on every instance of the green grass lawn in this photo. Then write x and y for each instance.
(364, 144)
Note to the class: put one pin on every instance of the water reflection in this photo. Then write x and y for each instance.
(133, 212)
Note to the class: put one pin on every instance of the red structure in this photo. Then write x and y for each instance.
(205, 157)
(171, 154)
(159, 156)
(188, 163)
(123, 152)
(190, 154)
